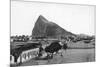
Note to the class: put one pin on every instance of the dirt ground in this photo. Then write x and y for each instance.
(69, 56)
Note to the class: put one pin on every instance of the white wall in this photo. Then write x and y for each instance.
(31, 56)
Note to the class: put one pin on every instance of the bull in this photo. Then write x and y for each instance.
(55, 47)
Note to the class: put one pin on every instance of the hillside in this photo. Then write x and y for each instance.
(45, 28)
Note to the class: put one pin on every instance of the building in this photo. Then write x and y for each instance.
(24, 53)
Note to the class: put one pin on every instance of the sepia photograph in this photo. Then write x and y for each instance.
(44, 33)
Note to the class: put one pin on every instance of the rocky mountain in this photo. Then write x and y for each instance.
(45, 28)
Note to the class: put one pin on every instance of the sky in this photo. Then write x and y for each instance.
(77, 19)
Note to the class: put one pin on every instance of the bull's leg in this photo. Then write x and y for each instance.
(61, 54)
(50, 56)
